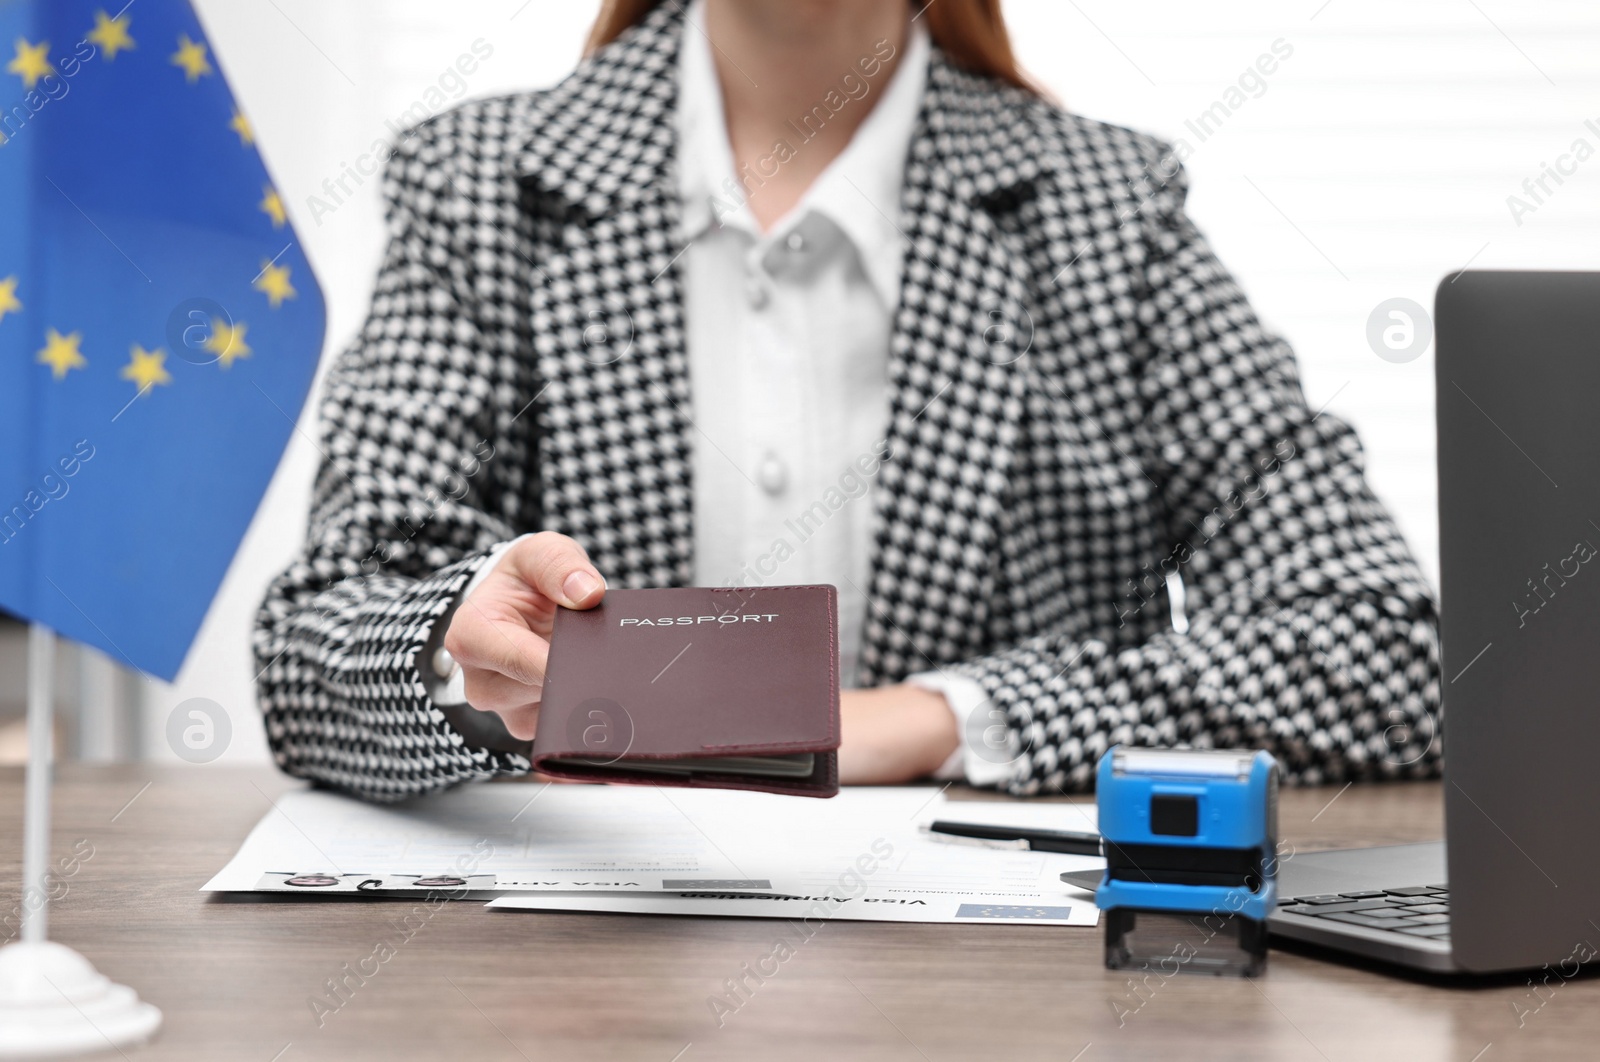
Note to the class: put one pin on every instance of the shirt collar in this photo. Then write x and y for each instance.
(859, 191)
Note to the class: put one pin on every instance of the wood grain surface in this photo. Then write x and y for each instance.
(236, 979)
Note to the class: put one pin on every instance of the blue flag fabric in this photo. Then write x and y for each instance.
(159, 324)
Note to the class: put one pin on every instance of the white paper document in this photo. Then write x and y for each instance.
(680, 851)
(1070, 908)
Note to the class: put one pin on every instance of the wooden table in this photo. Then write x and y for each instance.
(236, 979)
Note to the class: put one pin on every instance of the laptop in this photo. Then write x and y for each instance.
(1516, 882)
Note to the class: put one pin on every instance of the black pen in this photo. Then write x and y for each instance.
(1069, 841)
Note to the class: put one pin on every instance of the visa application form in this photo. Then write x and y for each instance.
(598, 847)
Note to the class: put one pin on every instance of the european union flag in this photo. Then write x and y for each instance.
(159, 324)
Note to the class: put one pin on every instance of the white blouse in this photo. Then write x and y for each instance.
(788, 337)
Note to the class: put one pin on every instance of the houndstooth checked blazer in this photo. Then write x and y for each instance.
(1081, 402)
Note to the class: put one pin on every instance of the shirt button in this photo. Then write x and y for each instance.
(755, 292)
(772, 475)
(444, 665)
(795, 242)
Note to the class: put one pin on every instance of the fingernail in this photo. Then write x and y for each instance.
(579, 585)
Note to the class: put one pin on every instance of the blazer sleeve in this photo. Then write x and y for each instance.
(1310, 630)
(402, 515)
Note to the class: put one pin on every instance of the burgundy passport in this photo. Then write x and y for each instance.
(730, 688)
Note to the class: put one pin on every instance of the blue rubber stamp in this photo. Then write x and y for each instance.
(1190, 840)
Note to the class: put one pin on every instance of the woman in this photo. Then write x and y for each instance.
(778, 292)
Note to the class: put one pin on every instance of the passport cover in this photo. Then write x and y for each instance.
(649, 677)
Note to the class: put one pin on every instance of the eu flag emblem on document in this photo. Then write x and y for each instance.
(159, 324)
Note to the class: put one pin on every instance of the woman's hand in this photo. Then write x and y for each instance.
(894, 734)
(500, 636)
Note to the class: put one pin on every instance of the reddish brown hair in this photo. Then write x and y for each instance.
(971, 32)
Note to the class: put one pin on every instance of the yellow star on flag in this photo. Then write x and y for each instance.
(272, 206)
(273, 283)
(191, 56)
(111, 34)
(9, 303)
(242, 126)
(227, 342)
(146, 368)
(32, 62)
(61, 353)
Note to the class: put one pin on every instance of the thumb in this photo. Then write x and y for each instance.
(558, 568)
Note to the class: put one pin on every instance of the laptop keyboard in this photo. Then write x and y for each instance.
(1416, 910)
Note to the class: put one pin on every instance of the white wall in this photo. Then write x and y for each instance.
(1377, 159)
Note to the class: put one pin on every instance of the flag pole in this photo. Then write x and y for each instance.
(53, 1003)
(36, 802)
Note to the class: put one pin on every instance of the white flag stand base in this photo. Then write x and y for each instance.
(54, 1003)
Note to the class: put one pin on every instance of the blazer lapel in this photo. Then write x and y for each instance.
(613, 401)
(957, 393)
